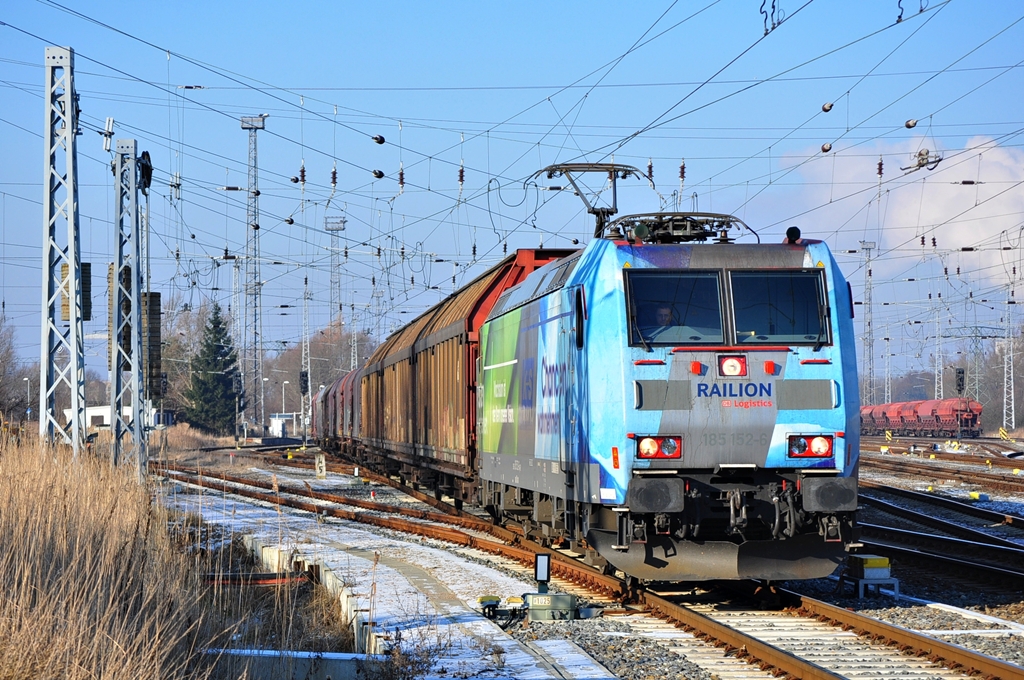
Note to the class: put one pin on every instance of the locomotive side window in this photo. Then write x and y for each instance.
(673, 307)
(779, 307)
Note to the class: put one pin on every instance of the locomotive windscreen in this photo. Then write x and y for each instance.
(779, 307)
(769, 307)
(672, 307)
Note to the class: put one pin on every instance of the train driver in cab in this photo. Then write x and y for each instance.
(663, 319)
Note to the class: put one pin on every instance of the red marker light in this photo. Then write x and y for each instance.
(810, 446)
(660, 447)
(696, 368)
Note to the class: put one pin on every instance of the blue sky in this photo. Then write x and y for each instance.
(503, 90)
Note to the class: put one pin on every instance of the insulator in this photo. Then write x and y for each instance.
(929, 296)
(650, 169)
(611, 175)
(879, 167)
(294, 180)
(453, 279)
(401, 178)
(575, 241)
(940, 296)
(378, 174)
(945, 271)
(378, 252)
(334, 177)
(462, 175)
(346, 252)
(912, 123)
(826, 147)
(826, 107)
(379, 139)
(869, 272)
(474, 255)
(412, 280)
(305, 280)
(402, 252)
(933, 242)
(504, 248)
(922, 240)
(970, 294)
(373, 280)
(289, 220)
(958, 271)
(302, 175)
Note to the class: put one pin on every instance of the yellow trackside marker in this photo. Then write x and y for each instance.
(821, 264)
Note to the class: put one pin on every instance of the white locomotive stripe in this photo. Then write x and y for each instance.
(506, 363)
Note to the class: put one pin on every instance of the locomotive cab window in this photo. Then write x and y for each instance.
(780, 307)
(666, 307)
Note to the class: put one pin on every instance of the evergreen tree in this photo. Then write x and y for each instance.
(210, 395)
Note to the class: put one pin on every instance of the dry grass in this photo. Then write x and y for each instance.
(295, 616)
(182, 437)
(91, 584)
(99, 582)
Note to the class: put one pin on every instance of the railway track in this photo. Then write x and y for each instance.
(961, 471)
(990, 517)
(982, 451)
(810, 639)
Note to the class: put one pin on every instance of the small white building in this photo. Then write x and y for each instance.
(285, 425)
(99, 416)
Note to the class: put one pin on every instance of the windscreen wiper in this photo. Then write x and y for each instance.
(632, 319)
(823, 317)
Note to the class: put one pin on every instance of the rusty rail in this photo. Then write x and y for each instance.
(561, 565)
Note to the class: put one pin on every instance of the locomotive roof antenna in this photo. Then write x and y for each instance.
(614, 171)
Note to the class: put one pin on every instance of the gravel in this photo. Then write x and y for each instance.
(615, 646)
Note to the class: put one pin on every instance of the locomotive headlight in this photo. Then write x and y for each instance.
(732, 366)
(797, 446)
(648, 447)
(821, 446)
(669, 447)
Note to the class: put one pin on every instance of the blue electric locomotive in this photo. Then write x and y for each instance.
(685, 405)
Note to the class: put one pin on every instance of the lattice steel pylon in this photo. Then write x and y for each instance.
(868, 391)
(126, 355)
(975, 335)
(938, 354)
(353, 357)
(62, 350)
(334, 225)
(305, 389)
(1009, 409)
(253, 340)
